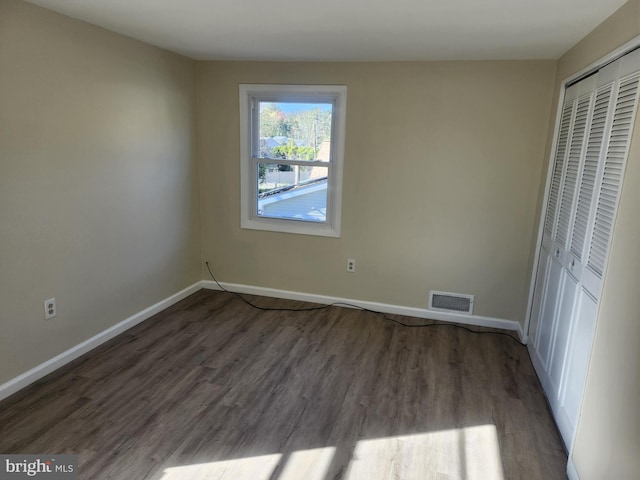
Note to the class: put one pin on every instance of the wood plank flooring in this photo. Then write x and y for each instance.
(213, 389)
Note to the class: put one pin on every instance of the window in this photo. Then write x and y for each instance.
(291, 149)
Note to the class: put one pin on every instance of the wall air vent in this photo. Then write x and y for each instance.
(451, 302)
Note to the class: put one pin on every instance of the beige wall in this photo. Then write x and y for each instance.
(441, 175)
(98, 181)
(442, 190)
(607, 443)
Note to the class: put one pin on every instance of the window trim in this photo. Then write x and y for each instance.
(249, 95)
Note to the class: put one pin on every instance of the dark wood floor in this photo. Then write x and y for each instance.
(214, 389)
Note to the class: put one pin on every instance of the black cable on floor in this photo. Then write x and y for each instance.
(357, 307)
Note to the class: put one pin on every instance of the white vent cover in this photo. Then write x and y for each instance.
(451, 302)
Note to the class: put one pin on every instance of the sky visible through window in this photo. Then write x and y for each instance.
(295, 107)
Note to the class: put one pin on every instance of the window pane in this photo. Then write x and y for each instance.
(295, 131)
(293, 192)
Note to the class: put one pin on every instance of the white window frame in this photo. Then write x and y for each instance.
(250, 95)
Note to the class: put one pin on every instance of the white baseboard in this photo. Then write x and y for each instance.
(36, 373)
(572, 473)
(524, 339)
(476, 320)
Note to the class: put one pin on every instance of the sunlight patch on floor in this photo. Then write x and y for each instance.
(466, 453)
(308, 464)
(251, 468)
(471, 453)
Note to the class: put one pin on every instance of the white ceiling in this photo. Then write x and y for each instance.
(348, 30)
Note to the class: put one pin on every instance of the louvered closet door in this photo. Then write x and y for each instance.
(547, 283)
(588, 256)
(592, 145)
(550, 339)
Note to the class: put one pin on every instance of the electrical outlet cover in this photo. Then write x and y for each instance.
(49, 308)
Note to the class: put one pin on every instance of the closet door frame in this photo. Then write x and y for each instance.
(595, 66)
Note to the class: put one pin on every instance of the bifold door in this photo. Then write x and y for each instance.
(592, 145)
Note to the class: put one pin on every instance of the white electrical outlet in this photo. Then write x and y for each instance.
(351, 265)
(49, 308)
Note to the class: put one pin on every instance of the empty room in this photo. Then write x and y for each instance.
(355, 240)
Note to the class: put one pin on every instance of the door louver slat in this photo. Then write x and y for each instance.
(573, 166)
(612, 176)
(558, 167)
(590, 170)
